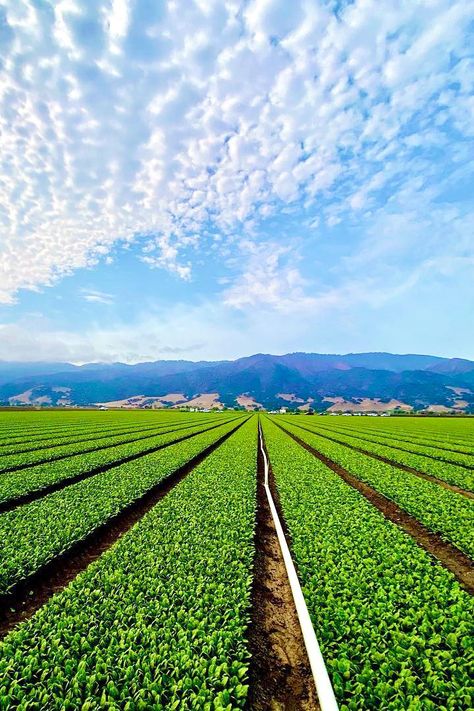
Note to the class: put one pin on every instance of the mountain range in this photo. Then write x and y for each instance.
(368, 382)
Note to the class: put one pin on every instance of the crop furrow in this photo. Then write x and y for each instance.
(443, 512)
(86, 437)
(420, 450)
(167, 606)
(73, 451)
(34, 534)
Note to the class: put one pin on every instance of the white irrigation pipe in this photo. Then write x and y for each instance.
(327, 700)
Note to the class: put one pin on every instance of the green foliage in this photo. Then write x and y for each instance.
(452, 467)
(14, 484)
(159, 621)
(33, 534)
(395, 627)
(449, 514)
(37, 450)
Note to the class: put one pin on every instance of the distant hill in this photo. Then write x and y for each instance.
(354, 381)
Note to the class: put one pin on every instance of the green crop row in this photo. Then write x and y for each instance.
(10, 437)
(34, 534)
(451, 473)
(394, 625)
(51, 454)
(444, 512)
(159, 621)
(441, 441)
(429, 451)
(20, 483)
(61, 422)
(450, 432)
(34, 444)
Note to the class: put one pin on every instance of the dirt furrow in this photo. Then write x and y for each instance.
(280, 674)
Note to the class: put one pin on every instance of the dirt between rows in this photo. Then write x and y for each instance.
(31, 594)
(398, 465)
(451, 557)
(280, 674)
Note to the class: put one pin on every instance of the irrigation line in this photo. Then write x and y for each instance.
(326, 697)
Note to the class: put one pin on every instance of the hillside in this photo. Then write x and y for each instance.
(354, 381)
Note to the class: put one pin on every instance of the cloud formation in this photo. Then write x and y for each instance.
(134, 120)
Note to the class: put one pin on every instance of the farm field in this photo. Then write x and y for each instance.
(140, 567)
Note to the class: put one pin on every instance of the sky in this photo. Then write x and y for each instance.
(207, 179)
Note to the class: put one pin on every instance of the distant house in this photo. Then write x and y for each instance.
(283, 410)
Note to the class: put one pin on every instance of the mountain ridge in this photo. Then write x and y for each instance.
(305, 380)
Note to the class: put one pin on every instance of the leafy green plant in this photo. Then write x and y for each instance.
(18, 483)
(395, 626)
(159, 621)
(35, 533)
(449, 514)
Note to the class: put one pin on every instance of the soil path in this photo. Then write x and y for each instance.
(280, 674)
(451, 557)
(29, 595)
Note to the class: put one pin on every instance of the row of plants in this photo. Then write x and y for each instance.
(445, 512)
(94, 444)
(451, 473)
(36, 533)
(83, 435)
(447, 432)
(159, 621)
(395, 627)
(20, 483)
(16, 427)
(428, 450)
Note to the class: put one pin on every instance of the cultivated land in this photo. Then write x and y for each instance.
(140, 565)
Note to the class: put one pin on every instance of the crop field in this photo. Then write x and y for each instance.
(141, 565)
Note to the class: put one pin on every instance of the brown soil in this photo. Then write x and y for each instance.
(280, 674)
(451, 557)
(398, 465)
(12, 504)
(31, 594)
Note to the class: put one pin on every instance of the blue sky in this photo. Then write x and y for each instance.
(211, 179)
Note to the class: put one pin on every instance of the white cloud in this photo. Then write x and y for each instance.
(270, 279)
(151, 121)
(97, 297)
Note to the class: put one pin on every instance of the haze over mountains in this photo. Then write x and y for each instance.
(354, 382)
